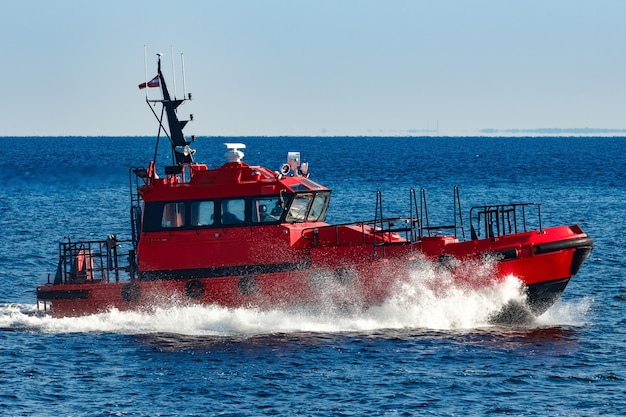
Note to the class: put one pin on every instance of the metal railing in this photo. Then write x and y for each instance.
(504, 219)
(485, 222)
(384, 231)
(94, 261)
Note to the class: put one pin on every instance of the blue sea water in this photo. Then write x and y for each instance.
(418, 354)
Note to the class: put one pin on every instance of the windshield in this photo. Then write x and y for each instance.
(298, 208)
(310, 207)
(318, 208)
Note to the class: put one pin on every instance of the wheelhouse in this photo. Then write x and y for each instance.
(300, 207)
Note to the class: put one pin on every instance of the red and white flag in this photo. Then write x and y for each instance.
(152, 83)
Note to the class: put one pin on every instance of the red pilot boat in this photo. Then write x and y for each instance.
(241, 235)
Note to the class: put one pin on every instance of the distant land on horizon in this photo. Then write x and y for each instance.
(488, 132)
(556, 131)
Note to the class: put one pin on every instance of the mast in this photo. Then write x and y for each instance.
(180, 145)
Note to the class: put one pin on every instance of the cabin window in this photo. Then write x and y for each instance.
(233, 211)
(202, 213)
(298, 208)
(266, 210)
(173, 215)
(318, 208)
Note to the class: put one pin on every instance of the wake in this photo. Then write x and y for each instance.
(426, 299)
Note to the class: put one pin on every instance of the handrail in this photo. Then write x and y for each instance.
(426, 229)
(502, 219)
(488, 221)
(458, 213)
(93, 261)
(381, 228)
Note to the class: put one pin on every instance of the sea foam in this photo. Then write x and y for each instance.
(428, 298)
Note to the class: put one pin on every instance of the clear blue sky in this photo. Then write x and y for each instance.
(323, 67)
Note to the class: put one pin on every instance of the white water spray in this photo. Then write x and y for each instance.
(428, 298)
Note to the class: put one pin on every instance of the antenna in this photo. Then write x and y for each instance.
(182, 60)
(145, 68)
(173, 73)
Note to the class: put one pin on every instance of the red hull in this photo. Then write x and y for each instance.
(332, 275)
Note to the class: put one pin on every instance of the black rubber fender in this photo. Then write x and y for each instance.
(579, 258)
(247, 285)
(194, 288)
(131, 292)
(563, 244)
